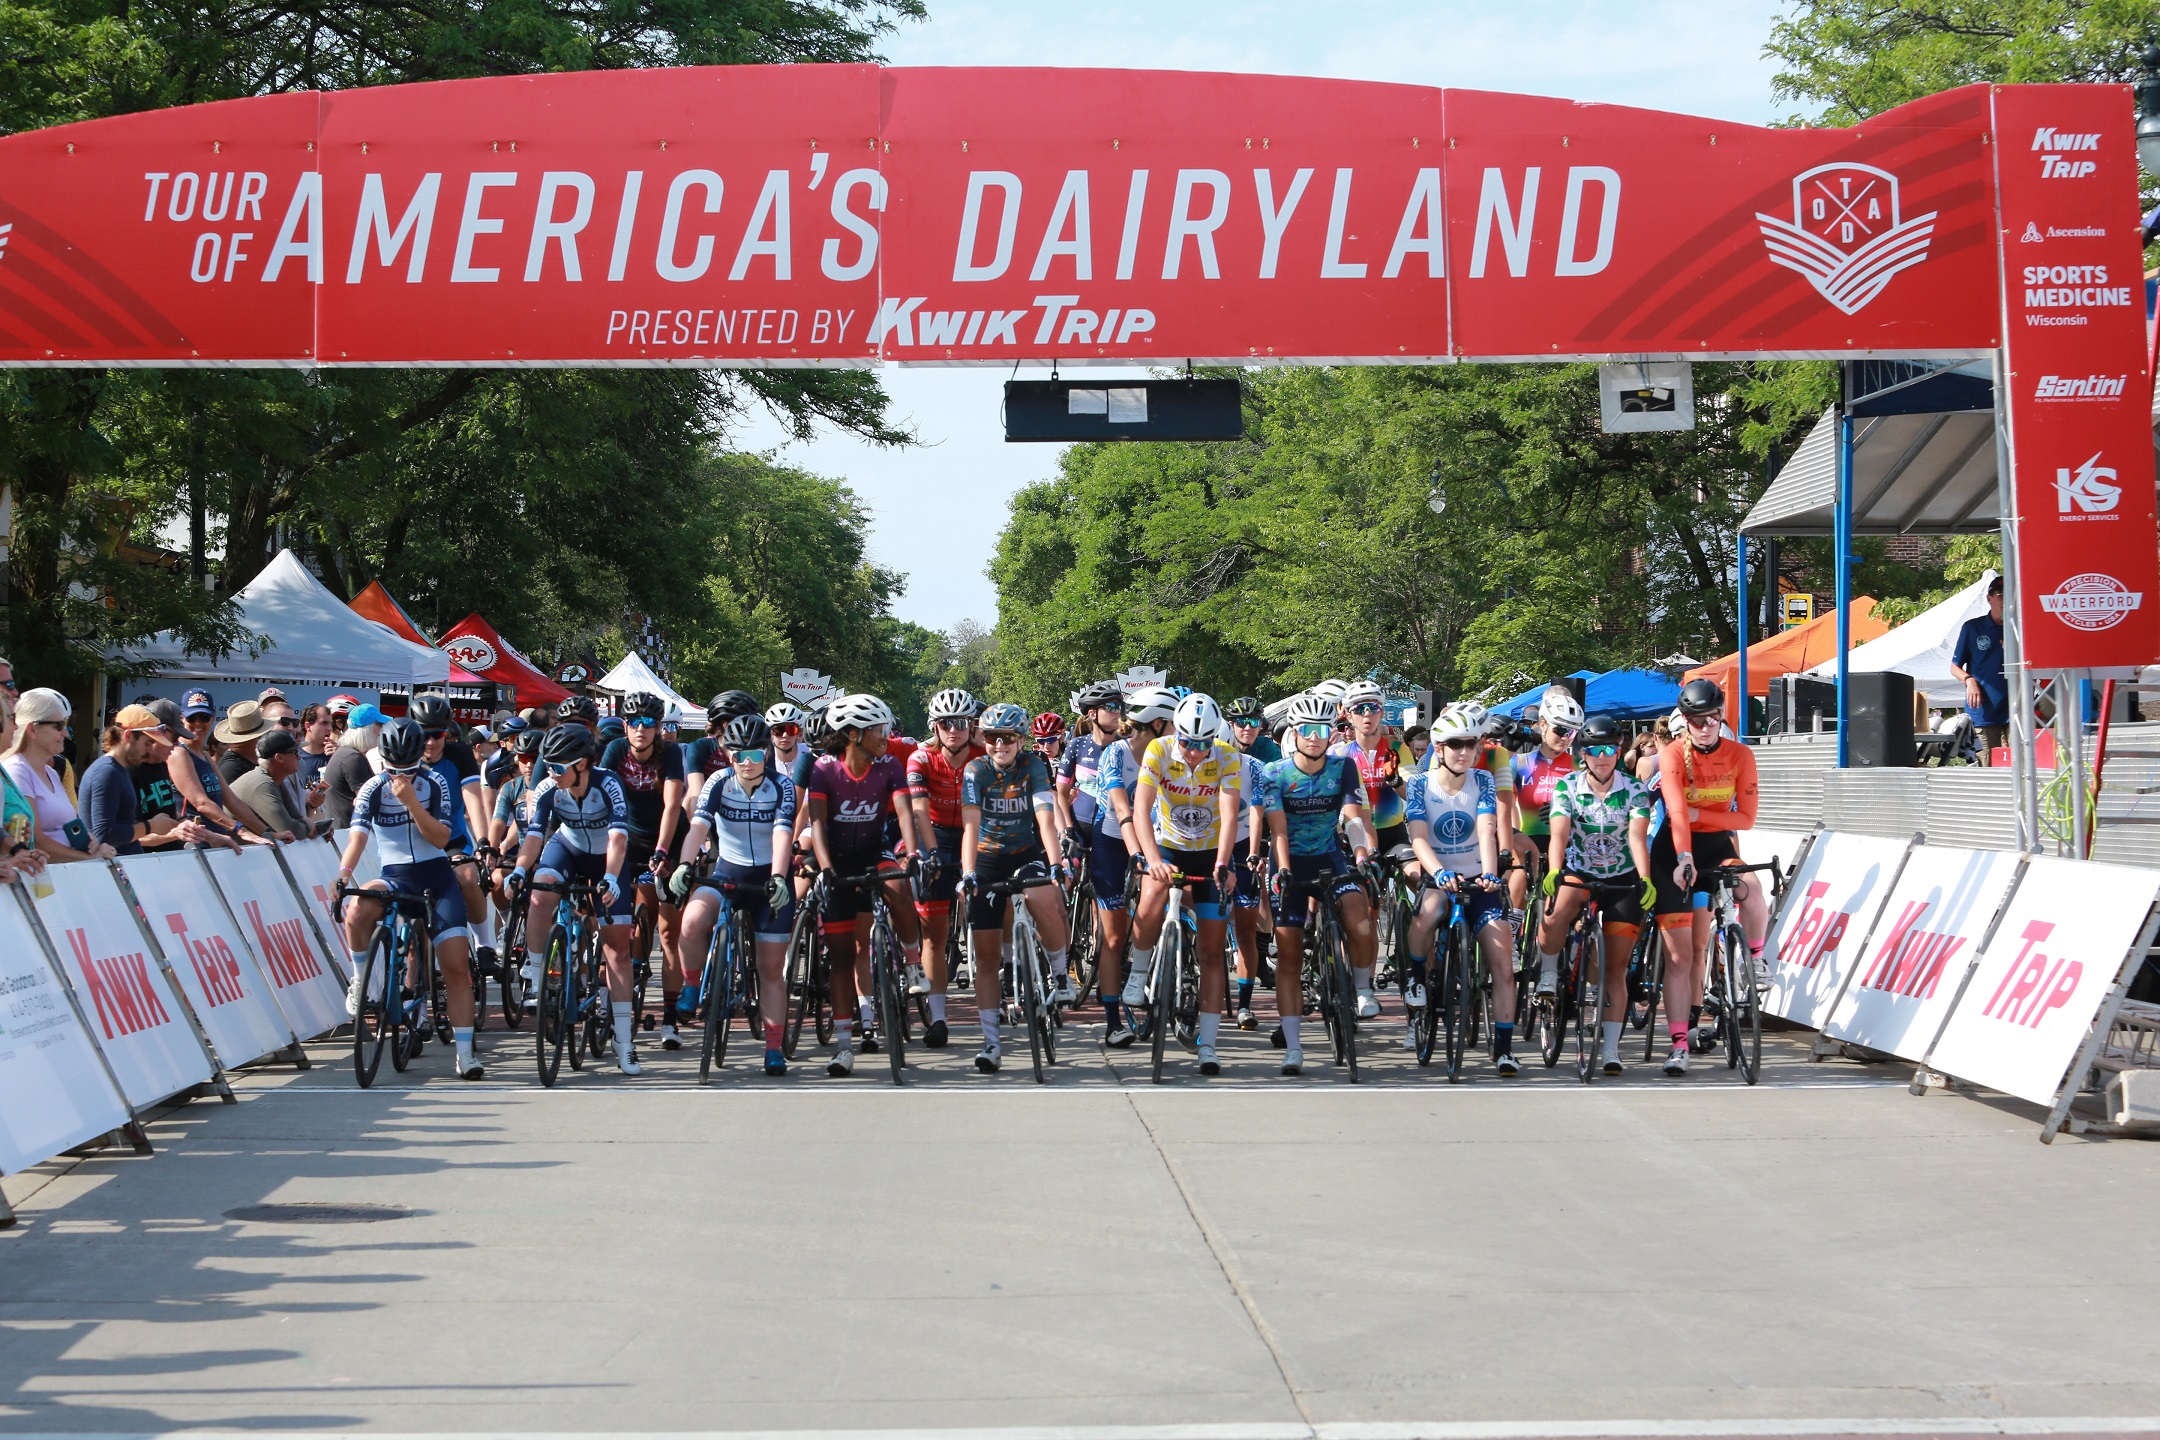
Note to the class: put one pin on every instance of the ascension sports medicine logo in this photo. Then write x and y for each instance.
(2091, 601)
(1846, 235)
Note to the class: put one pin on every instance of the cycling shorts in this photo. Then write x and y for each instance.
(1248, 884)
(935, 895)
(1711, 848)
(1327, 875)
(1479, 907)
(844, 903)
(1108, 860)
(560, 862)
(1622, 904)
(1198, 865)
(1390, 836)
(987, 912)
(765, 922)
(435, 879)
(643, 845)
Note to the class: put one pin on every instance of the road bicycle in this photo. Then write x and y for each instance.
(1396, 903)
(1455, 989)
(1578, 1001)
(1329, 986)
(1732, 987)
(570, 990)
(510, 963)
(808, 974)
(400, 936)
(1079, 893)
(1029, 973)
(731, 973)
(1173, 984)
(888, 974)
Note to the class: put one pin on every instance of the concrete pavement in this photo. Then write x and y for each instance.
(972, 1252)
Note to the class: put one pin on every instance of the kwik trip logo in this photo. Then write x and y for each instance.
(1846, 234)
(2056, 158)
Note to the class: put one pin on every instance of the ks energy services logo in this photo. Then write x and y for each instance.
(1846, 234)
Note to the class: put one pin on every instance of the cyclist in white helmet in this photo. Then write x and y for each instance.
(1453, 815)
(1148, 712)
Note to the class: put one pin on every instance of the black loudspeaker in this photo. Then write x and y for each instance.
(1795, 701)
(1879, 712)
(1575, 685)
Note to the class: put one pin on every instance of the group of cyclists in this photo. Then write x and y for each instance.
(1158, 806)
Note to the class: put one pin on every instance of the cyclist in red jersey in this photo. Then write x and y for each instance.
(933, 775)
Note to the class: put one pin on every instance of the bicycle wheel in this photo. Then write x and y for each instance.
(1743, 1014)
(406, 1039)
(1345, 1011)
(1162, 994)
(805, 995)
(1589, 971)
(551, 1019)
(1188, 993)
(644, 925)
(373, 1026)
(1425, 1022)
(1027, 969)
(439, 996)
(719, 997)
(891, 1002)
(510, 968)
(1462, 1000)
(1652, 996)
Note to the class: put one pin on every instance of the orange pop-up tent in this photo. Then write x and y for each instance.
(378, 605)
(1786, 652)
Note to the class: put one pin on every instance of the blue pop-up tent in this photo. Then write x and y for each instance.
(1514, 706)
(1631, 694)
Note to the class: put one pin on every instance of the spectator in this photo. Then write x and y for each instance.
(1977, 659)
(1418, 740)
(202, 789)
(157, 799)
(243, 725)
(318, 739)
(277, 759)
(7, 678)
(111, 804)
(339, 706)
(270, 693)
(41, 720)
(349, 769)
(18, 818)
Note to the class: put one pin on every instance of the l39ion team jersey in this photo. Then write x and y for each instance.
(397, 840)
(1008, 800)
(1311, 805)
(1188, 810)
(1598, 824)
(743, 823)
(1452, 819)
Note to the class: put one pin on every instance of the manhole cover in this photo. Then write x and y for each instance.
(317, 1214)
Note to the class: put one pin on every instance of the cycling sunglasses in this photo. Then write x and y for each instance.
(994, 737)
(1108, 705)
(1366, 707)
(1703, 722)
(1600, 751)
(749, 757)
(784, 731)
(1470, 744)
(1187, 742)
(955, 725)
(642, 723)
(433, 734)
(1245, 722)
(555, 769)
(1315, 730)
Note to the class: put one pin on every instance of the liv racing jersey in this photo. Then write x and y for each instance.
(857, 807)
(398, 840)
(743, 823)
(1598, 824)
(582, 823)
(1188, 810)
(1008, 800)
(1452, 820)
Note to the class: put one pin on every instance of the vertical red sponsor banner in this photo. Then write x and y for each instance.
(2079, 396)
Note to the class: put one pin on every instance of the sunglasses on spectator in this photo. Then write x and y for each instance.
(749, 757)
(1366, 707)
(288, 723)
(199, 719)
(642, 723)
(1598, 752)
(1315, 730)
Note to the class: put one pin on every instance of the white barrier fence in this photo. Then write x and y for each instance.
(123, 983)
(2000, 970)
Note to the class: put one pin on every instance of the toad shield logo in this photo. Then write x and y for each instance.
(1846, 235)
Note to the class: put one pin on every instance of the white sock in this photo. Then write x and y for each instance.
(1210, 1025)
(990, 1029)
(843, 1032)
(1548, 963)
(1611, 1029)
(1363, 976)
(485, 926)
(937, 1009)
(625, 1023)
(462, 1038)
(869, 1013)
(1138, 963)
(1058, 967)
(1290, 1026)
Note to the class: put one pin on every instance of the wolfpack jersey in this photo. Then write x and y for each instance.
(397, 839)
(742, 823)
(1597, 826)
(857, 806)
(1188, 814)
(1452, 819)
(1312, 805)
(583, 825)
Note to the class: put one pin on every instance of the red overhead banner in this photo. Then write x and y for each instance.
(2078, 394)
(778, 215)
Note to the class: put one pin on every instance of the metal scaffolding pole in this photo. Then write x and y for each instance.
(2024, 777)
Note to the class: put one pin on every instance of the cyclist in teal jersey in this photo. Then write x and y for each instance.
(1364, 706)
(1008, 832)
(1248, 729)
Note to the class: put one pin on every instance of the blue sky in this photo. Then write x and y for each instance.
(1702, 57)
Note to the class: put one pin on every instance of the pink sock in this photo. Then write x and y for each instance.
(772, 1034)
(1679, 1034)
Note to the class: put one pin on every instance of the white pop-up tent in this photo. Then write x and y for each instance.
(632, 675)
(315, 640)
(1921, 647)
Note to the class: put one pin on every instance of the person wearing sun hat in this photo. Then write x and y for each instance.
(243, 725)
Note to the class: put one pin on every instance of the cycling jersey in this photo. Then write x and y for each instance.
(1536, 773)
(1452, 820)
(703, 756)
(1008, 800)
(1263, 750)
(1377, 767)
(1188, 813)
(1117, 768)
(1597, 827)
(857, 806)
(1312, 805)
(743, 822)
(458, 769)
(1082, 769)
(1712, 789)
(1248, 801)
(584, 824)
(1494, 757)
(934, 778)
(510, 802)
(398, 840)
(642, 781)
(798, 769)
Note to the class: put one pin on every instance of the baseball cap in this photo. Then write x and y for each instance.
(270, 692)
(365, 714)
(277, 742)
(1995, 586)
(196, 702)
(167, 713)
(138, 717)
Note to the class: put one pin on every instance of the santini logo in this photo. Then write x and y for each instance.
(1846, 235)
(2080, 387)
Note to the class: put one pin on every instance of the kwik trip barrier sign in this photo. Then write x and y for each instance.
(847, 214)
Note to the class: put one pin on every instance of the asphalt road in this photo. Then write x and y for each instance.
(1823, 1253)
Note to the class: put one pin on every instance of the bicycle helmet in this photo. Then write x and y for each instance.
(746, 732)
(1599, 730)
(1097, 695)
(1332, 689)
(784, 713)
(1312, 709)
(401, 744)
(1363, 692)
(612, 727)
(952, 704)
(579, 708)
(642, 706)
(1048, 725)
(1474, 715)
(527, 741)
(566, 745)
(1701, 697)
(1558, 708)
(430, 711)
(1199, 718)
(858, 712)
(815, 732)
(727, 705)
(1245, 707)
(1152, 703)
(1456, 723)
(1004, 720)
